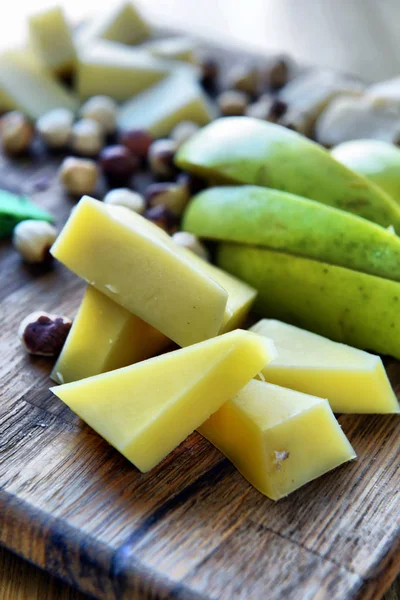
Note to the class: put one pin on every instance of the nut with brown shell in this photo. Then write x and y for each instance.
(44, 334)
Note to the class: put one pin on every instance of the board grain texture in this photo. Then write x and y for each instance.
(193, 528)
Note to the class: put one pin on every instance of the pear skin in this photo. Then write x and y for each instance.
(377, 161)
(346, 306)
(281, 221)
(245, 150)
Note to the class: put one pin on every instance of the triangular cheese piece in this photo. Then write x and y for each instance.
(353, 381)
(146, 410)
(279, 439)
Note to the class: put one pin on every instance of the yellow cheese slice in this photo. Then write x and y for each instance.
(146, 410)
(279, 439)
(137, 265)
(353, 381)
(105, 336)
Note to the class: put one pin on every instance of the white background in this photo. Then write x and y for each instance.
(360, 36)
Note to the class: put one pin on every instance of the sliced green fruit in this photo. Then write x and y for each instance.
(281, 221)
(346, 306)
(246, 150)
(377, 161)
(15, 208)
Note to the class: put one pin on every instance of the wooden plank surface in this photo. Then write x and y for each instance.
(193, 527)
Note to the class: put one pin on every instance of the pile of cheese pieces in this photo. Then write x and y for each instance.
(113, 55)
(144, 293)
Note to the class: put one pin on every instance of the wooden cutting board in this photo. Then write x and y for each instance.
(193, 528)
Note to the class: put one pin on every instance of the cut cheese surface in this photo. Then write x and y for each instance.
(279, 439)
(105, 336)
(51, 38)
(116, 70)
(146, 410)
(177, 98)
(121, 23)
(353, 381)
(138, 266)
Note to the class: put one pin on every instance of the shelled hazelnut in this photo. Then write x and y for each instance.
(277, 74)
(172, 195)
(16, 133)
(138, 141)
(184, 131)
(192, 243)
(161, 157)
(33, 240)
(44, 334)
(244, 78)
(232, 103)
(162, 217)
(55, 126)
(87, 137)
(103, 110)
(118, 164)
(125, 197)
(78, 175)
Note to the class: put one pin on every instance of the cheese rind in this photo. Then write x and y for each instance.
(137, 265)
(279, 439)
(26, 87)
(122, 23)
(51, 38)
(177, 98)
(353, 381)
(116, 70)
(146, 410)
(104, 336)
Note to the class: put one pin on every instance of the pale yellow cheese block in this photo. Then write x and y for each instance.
(116, 70)
(137, 265)
(241, 296)
(27, 87)
(121, 22)
(173, 48)
(51, 39)
(177, 98)
(279, 439)
(146, 410)
(104, 336)
(353, 381)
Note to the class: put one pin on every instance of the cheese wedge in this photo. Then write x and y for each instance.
(148, 409)
(116, 70)
(137, 265)
(177, 98)
(27, 87)
(279, 439)
(103, 337)
(51, 38)
(121, 23)
(353, 381)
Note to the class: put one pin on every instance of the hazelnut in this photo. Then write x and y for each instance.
(232, 103)
(33, 240)
(78, 175)
(138, 141)
(192, 243)
(267, 108)
(161, 157)
(277, 74)
(44, 334)
(124, 197)
(55, 126)
(244, 78)
(87, 137)
(162, 217)
(209, 72)
(184, 131)
(118, 164)
(174, 196)
(16, 132)
(103, 110)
